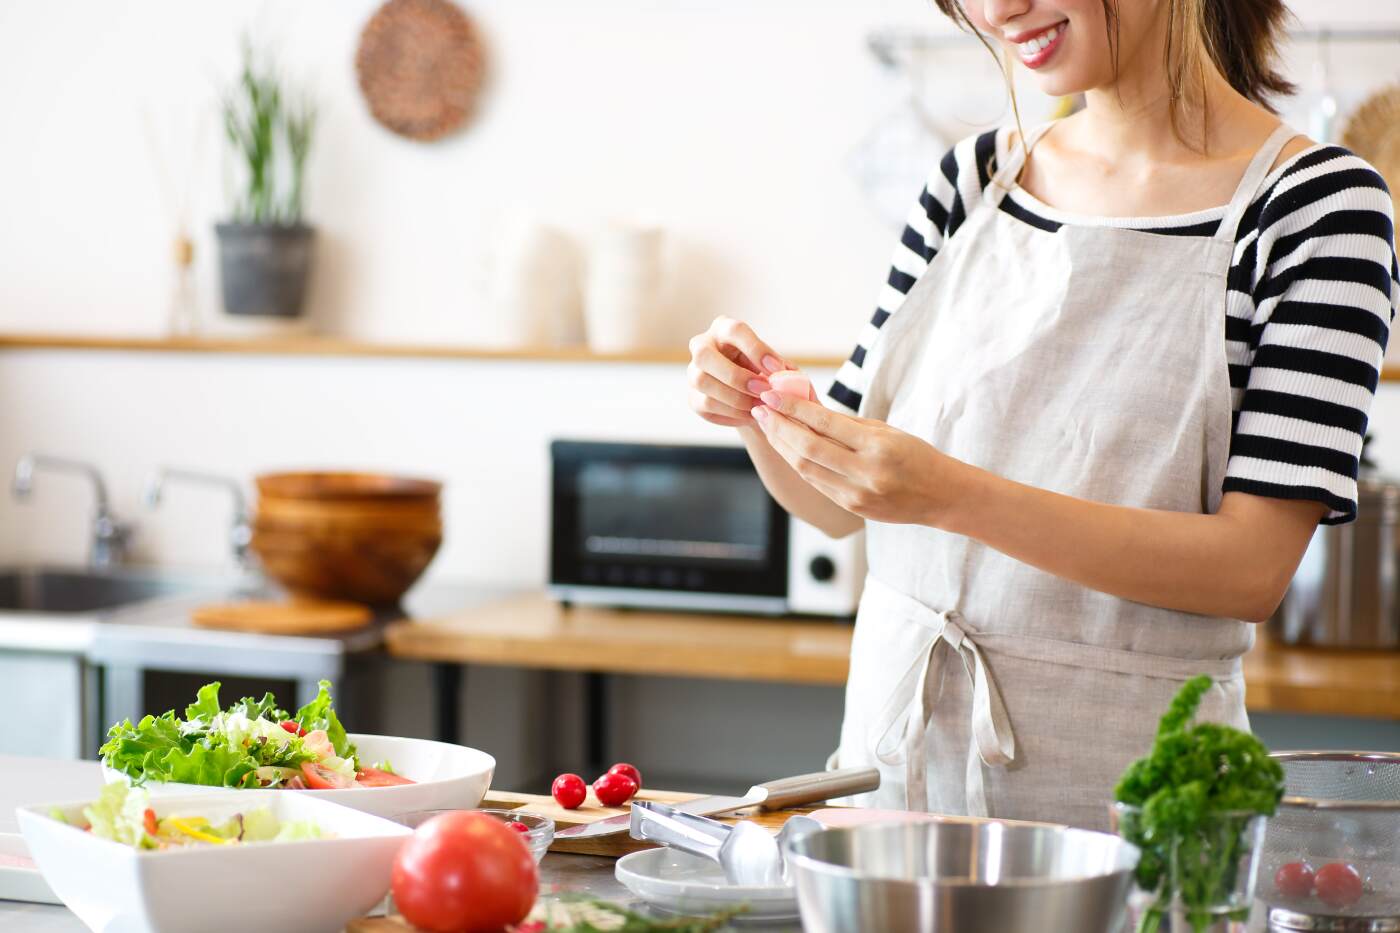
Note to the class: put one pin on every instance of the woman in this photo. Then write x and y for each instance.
(1121, 370)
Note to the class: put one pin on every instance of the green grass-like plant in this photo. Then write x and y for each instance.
(271, 129)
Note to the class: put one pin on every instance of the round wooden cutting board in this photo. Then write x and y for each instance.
(288, 618)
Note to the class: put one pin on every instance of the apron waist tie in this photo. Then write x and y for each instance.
(906, 716)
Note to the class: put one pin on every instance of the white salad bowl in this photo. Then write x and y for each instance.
(304, 886)
(446, 777)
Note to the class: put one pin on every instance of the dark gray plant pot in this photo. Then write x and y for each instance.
(264, 268)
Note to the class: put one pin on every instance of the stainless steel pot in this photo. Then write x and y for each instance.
(937, 877)
(1346, 593)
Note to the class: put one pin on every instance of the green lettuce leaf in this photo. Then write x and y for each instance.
(212, 764)
(266, 707)
(137, 750)
(206, 704)
(116, 814)
(318, 714)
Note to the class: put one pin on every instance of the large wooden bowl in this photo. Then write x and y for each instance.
(366, 565)
(346, 536)
(329, 485)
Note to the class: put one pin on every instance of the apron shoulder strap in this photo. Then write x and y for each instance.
(1252, 181)
(1007, 173)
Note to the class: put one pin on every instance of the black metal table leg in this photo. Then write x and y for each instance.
(447, 682)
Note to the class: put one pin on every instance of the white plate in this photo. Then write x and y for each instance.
(273, 887)
(448, 777)
(21, 882)
(692, 885)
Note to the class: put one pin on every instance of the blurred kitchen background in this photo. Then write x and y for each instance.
(603, 179)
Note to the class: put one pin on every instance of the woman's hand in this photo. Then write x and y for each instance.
(867, 467)
(728, 371)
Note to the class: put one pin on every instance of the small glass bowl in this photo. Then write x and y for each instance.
(538, 839)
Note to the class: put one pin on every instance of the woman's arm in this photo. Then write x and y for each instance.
(793, 492)
(1235, 563)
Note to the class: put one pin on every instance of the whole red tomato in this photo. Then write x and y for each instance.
(614, 789)
(569, 790)
(1338, 884)
(464, 872)
(1294, 879)
(631, 771)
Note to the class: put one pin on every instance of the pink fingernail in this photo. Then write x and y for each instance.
(757, 386)
(773, 364)
(771, 399)
(760, 413)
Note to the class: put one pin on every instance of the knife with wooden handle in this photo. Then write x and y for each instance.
(774, 795)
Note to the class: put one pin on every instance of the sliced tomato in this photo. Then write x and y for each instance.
(373, 777)
(149, 819)
(291, 726)
(319, 777)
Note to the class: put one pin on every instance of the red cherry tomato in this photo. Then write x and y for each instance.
(631, 771)
(569, 790)
(1338, 884)
(373, 777)
(149, 820)
(1294, 879)
(319, 777)
(519, 827)
(464, 872)
(291, 726)
(614, 789)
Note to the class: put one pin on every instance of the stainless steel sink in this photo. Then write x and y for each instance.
(83, 590)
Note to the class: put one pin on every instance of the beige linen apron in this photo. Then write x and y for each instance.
(1088, 361)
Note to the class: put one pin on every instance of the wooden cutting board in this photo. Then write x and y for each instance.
(617, 845)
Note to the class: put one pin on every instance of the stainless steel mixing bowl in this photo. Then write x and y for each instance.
(985, 877)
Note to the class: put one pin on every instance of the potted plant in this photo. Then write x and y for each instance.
(1196, 806)
(265, 248)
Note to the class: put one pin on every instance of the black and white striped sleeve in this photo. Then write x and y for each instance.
(955, 183)
(1323, 282)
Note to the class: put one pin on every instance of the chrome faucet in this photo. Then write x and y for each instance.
(240, 533)
(109, 535)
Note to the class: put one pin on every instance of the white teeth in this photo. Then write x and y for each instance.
(1033, 47)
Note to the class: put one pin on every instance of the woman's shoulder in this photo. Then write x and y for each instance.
(955, 184)
(1313, 178)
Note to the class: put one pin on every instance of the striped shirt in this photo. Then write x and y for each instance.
(1311, 293)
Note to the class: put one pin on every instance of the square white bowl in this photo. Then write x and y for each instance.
(446, 776)
(273, 887)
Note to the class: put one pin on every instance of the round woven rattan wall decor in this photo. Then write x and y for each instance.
(421, 66)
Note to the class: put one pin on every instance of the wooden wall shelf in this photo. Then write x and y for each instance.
(337, 347)
(340, 347)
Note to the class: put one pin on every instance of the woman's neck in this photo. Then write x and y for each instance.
(1134, 116)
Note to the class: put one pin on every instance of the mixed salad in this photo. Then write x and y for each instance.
(124, 815)
(252, 744)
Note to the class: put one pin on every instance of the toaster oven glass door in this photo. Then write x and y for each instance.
(643, 520)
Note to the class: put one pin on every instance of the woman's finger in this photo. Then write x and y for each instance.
(706, 356)
(709, 385)
(707, 405)
(760, 357)
(805, 442)
(844, 429)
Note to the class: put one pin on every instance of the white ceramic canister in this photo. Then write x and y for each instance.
(623, 288)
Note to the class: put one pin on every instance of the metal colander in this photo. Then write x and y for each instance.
(1338, 807)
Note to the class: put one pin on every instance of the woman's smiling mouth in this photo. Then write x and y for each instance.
(1035, 48)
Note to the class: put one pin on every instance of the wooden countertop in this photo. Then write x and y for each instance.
(534, 631)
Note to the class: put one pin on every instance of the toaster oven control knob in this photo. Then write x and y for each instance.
(822, 568)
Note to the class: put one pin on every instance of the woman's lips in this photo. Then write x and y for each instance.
(1036, 48)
